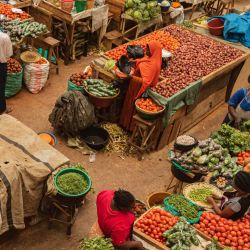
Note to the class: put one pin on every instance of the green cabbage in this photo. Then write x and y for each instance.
(129, 11)
(165, 3)
(137, 15)
(129, 3)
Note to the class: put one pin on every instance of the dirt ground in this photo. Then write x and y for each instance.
(107, 172)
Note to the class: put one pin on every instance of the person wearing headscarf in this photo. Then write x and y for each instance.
(147, 73)
(234, 205)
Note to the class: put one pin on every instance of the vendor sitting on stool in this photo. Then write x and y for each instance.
(239, 107)
(234, 205)
(115, 217)
(147, 73)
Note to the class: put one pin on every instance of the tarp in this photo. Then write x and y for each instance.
(25, 164)
(187, 96)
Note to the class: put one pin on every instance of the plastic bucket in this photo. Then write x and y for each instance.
(80, 5)
(216, 26)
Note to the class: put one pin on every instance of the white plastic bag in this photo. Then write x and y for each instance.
(35, 76)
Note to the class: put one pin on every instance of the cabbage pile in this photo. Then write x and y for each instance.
(142, 10)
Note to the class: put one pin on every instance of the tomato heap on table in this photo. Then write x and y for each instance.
(155, 222)
(229, 233)
(243, 156)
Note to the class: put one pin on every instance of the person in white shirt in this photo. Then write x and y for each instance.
(6, 52)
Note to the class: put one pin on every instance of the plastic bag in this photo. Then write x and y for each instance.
(73, 87)
(13, 83)
(135, 51)
(35, 76)
(124, 64)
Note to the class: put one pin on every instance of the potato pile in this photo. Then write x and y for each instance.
(13, 66)
(78, 78)
(196, 57)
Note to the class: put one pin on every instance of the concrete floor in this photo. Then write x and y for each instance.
(108, 172)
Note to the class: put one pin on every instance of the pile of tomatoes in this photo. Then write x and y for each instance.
(6, 9)
(155, 222)
(164, 38)
(242, 156)
(235, 234)
(148, 104)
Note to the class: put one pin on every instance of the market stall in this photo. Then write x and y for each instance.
(195, 83)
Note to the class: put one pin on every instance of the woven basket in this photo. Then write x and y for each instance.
(175, 212)
(156, 198)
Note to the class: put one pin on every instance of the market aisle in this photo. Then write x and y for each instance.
(108, 172)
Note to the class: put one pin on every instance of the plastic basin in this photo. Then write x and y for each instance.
(216, 26)
(73, 170)
(95, 137)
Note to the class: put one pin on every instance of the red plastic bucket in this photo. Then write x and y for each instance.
(216, 26)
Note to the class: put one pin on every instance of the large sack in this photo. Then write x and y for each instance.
(35, 76)
(72, 113)
(13, 83)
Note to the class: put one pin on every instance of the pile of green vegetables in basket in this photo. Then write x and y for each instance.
(182, 236)
(97, 243)
(100, 88)
(207, 156)
(178, 205)
(233, 139)
(72, 183)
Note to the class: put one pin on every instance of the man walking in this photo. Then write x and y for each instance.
(5, 53)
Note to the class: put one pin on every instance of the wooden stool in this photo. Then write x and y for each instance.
(52, 45)
(69, 212)
(145, 134)
(112, 38)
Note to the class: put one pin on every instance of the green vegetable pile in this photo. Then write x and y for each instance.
(200, 194)
(188, 24)
(109, 65)
(245, 126)
(142, 10)
(99, 88)
(208, 156)
(97, 243)
(72, 183)
(184, 207)
(19, 29)
(232, 139)
(181, 236)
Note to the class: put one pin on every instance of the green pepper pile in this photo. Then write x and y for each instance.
(184, 207)
(72, 183)
(99, 88)
(181, 236)
(97, 243)
(200, 194)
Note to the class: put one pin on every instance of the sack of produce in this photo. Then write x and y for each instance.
(14, 78)
(36, 75)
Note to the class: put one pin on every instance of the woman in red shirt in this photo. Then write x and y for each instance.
(115, 217)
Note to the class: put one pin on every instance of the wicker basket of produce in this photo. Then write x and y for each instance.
(148, 109)
(156, 198)
(101, 94)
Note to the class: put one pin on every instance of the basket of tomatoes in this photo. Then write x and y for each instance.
(235, 234)
(148, 109)
(152, 224)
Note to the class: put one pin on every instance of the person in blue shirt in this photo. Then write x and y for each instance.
(239, 107)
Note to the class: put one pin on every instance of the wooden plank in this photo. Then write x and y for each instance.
(23, 4)
(203, 109)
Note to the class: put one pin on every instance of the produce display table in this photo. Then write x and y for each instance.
(215, 89)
